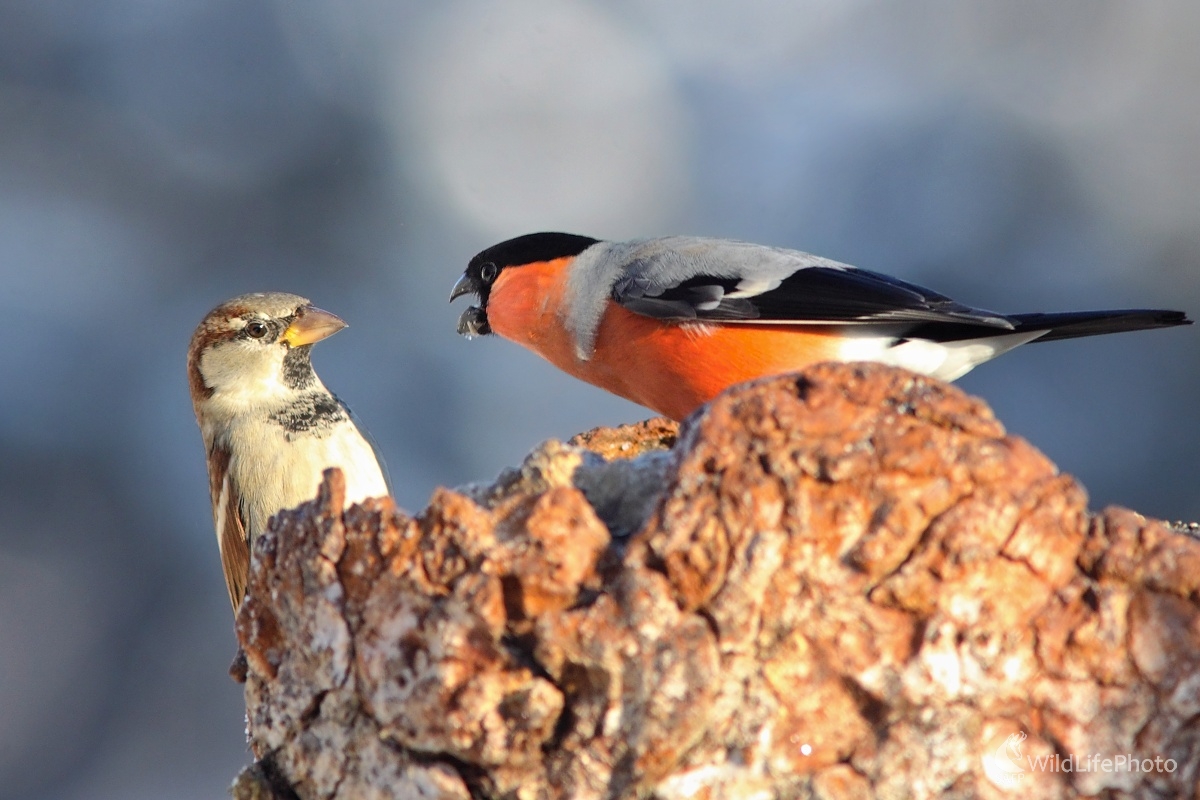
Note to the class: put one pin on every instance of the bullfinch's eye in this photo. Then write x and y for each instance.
(256, 330)
(488, 272)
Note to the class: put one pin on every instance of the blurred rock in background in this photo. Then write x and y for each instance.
(156, 159)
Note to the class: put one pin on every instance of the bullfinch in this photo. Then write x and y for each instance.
(671, 322)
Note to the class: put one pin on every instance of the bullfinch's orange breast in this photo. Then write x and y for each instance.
(526, 305)
(675, 367)
(667, 366)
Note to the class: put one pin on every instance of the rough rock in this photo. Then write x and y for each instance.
(846, 583)
(629, 441)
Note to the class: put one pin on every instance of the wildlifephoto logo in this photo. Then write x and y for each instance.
(1007, 766)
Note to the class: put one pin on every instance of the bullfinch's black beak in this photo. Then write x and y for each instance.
(474, 322)
(466, 284)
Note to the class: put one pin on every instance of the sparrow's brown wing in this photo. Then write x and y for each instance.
(231, 530)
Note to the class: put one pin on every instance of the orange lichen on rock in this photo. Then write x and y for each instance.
(845, 583)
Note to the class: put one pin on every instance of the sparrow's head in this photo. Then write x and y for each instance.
(485, 268)
(256, 346)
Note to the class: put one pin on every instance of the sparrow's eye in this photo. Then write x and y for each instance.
(255, 329)
(488, 272)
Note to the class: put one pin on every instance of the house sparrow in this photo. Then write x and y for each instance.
(270, 426)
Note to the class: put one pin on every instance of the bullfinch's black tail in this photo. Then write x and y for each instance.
(1072, 324)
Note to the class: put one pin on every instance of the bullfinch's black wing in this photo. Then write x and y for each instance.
(735, 282)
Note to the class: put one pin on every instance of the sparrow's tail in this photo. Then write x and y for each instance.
(1072, 324)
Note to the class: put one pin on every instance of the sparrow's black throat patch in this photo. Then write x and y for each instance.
(311, 412)
(297, 368)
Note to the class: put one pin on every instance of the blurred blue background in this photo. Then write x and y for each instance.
(157, 158)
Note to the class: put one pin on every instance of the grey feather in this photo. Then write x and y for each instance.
(688, 278)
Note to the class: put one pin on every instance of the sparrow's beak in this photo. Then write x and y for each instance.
(465, 285)
(311, 325)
